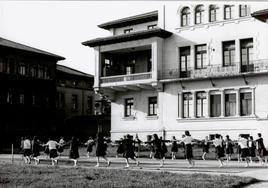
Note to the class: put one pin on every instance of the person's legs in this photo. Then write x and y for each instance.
(98, 162)
(127, 162)
(204, 155)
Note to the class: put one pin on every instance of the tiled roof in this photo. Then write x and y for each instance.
(15, 45)
(260, 12)
(137, 19)
(69, 70)
(157, 32)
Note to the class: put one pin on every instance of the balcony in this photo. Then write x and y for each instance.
(126, 78)
(254, 67)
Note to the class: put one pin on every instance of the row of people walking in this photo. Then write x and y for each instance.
(130, 147)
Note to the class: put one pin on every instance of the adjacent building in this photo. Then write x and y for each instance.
(79, 110)
(28, 92)
(196, 67)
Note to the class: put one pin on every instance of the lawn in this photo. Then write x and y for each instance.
(43, 176)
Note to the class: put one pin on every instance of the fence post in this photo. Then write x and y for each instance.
(12, 154)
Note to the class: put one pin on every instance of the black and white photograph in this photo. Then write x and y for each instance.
(157, 94)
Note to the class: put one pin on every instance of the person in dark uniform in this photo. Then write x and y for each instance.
(36, 150)
(174, 148)
(228, 148)
(252, 148)
(158, 151)
(74, 146)
(101, 148)
(128, 145)
(261, 150)
(205, 144)
(188, 141)
(90, 143)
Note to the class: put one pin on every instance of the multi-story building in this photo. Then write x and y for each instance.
(27, 96)
(196, 67)
(80, 110)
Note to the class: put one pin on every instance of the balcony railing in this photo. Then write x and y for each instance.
(217, 70)
(124, 78)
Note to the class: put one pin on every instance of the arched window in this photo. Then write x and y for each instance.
(185, 16)
(199, 14)
(213, 13)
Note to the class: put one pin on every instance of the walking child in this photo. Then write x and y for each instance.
(128, 144)
(89, 145)
(252, 148)
(27, 150)
(188, 141)
(205, 148)
(36, 150)
(174, 148)
(52, 147)
(219, 151)
(243, 142)
(74, 154)
(228, 148)
(158, 151)
(101, 148)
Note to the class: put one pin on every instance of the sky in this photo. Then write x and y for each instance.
(60, 26)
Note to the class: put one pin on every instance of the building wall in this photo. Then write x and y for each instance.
(137, 27)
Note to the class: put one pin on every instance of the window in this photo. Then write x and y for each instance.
(22, 69)
(151, 26)
(9, 98)
(228, 53)
(152, 106)
(187, 105)
(200, 56)
(246, 104)
(185, 16)
(74, 102)
(21, 98)
(230, 104)
(4, 66)
(246, 55)
(184, 61)
(33, 71)
(89, 104)
(213, 13)
(215, 105)
(75, 83)
(244, 10)
(201, 104)
(128, 30)
(199, 14)
(129, 104)
(228, 12)
(41, 72)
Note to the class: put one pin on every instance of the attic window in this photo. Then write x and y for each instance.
(128, 30)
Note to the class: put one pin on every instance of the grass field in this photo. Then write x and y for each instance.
(43, 176)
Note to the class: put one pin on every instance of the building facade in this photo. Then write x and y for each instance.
(27, 96)
(79, 110)
(196, 67)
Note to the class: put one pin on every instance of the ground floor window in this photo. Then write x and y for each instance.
(230, 104)
(152, 106)
(246, 104)
(187, 105)
(201, 104)
(74, 102)
(129, 104)
(215, 109)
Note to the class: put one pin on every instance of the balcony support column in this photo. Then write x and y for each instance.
(180, 114)
(97, 67)
(253, 102)
(208, 103)
(157, 50)
(194, 103)
(237, 92)
(222, 103)
(237, 55)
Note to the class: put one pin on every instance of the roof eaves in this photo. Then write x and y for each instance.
(141, 18)
(128, 37)
(18, 46)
